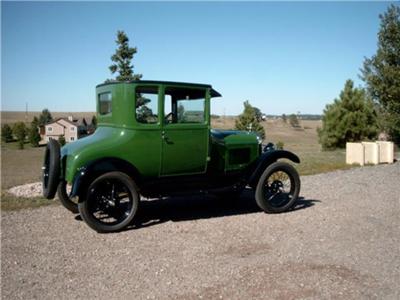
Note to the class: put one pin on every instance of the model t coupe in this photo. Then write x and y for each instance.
(154, 140)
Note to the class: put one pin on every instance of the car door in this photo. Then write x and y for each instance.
(185, 132)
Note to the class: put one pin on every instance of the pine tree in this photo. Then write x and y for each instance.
(351, 118)
(248, 120)
(94, 122)
(33, 134)
(381, 72)
(6, 133)
(19, 130)
(294, 121)
(45, 117)
(61, 140)
(122, 59)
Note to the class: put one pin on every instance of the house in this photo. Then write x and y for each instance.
(72, 129)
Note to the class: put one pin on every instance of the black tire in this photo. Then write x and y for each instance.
(102, 202)
(51, 169)
(270, 195)
(66, 201)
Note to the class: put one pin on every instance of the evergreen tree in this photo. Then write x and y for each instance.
(294, 121)
(19, 130)
(6, 133)
(122, 59)
(248, 120)
(45, 117)
(33, 134)
(351, 118)
(381, 72)
(94, 122)
(61, 140)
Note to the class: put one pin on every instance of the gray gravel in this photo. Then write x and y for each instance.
(341, 242)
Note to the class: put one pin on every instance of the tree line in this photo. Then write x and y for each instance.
(22, 133)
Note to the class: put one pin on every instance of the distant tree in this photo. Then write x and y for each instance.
(294, 121)
(248, 120)
(351, 118)
(19, 131)
(381, 72)
(284, 118)
(61, 140)
(258, 113)
(33, 132)
(6, 133)
(45, 117)
(280, 145)
(122, 59)
(94, 122)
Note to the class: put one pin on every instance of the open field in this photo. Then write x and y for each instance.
(302, 141)
(11, 117)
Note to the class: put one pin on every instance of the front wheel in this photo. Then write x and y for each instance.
(111, 202)
(278, 188)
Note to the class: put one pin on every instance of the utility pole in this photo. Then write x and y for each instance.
(26, 112)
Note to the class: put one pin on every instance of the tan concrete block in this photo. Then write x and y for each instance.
(355, 153)
(386, 152)
(371, 153)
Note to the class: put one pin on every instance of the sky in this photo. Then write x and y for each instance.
(285, 57)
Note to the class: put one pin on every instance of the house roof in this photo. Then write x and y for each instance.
(64, 119)
(213, 92)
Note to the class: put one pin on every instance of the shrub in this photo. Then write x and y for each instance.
(33, 133)
(248, 120)
(61, 140)
(280, 145)
(294, 121)
(6, 133)
(19, 131)
(351, 118)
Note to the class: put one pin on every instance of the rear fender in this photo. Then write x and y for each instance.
(86, 174)
(267, 158)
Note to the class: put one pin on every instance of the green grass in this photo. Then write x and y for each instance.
(10, 202)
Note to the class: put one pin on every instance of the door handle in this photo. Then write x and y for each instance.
(165, 138)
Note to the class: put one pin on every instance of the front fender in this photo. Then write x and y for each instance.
(255, 170)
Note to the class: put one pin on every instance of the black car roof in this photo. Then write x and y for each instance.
(213, 92)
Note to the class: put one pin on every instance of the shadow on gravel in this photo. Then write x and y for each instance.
(157, 211)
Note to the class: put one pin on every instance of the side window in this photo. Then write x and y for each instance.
(147, 105)
(190, 111)
(105, 103)
(186, 105)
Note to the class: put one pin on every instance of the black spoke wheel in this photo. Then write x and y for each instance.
(278, 188)
(111, 202)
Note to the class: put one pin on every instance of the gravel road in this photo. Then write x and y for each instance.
(341, 242)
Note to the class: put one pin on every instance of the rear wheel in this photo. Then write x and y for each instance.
(111, 202)
(278, 188)
(69, 203)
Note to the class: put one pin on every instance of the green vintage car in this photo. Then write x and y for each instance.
(154, 139)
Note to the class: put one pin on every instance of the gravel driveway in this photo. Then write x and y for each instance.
(342, 242)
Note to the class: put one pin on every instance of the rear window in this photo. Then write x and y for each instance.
(105, 103)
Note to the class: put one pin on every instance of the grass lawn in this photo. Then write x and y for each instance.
(24, 166)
